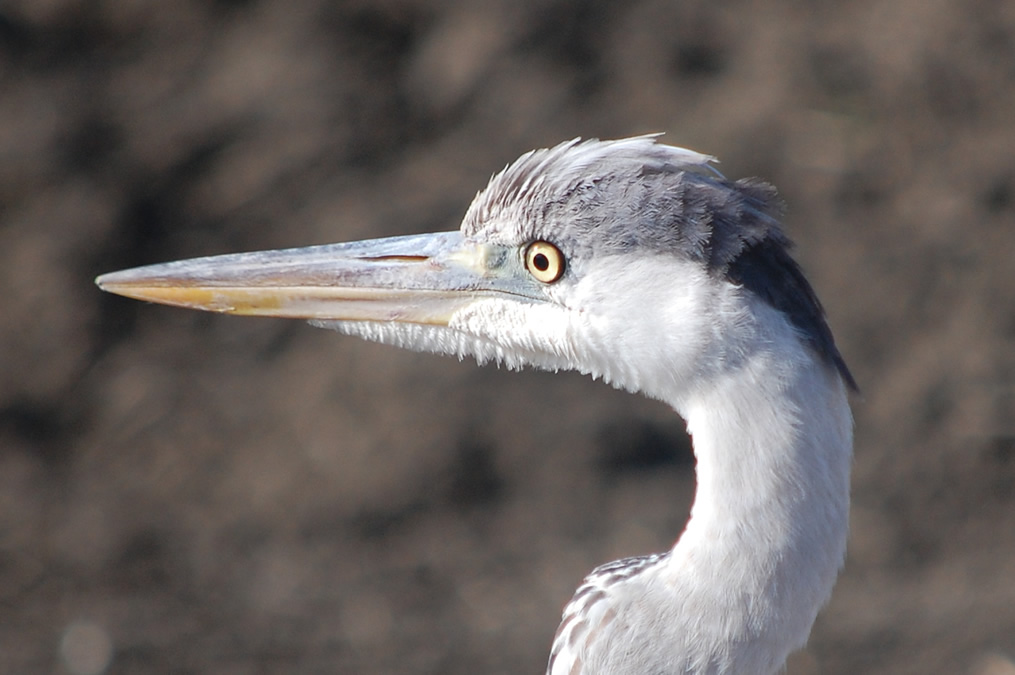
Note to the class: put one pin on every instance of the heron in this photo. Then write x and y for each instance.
(638, 263)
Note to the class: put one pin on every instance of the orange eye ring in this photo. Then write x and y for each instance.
(544, 261)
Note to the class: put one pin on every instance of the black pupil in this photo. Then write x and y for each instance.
(541, 262)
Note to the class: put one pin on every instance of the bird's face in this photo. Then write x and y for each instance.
(441, 292)
(571, 258)
(520, 303)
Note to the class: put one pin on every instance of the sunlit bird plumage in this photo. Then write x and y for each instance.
(638, 263)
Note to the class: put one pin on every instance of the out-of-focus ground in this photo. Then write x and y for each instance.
(189, 493)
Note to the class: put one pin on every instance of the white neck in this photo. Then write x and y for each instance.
(767, 533)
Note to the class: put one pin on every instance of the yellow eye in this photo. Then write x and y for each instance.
(544, 261)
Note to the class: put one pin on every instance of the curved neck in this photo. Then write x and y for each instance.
(768, 527)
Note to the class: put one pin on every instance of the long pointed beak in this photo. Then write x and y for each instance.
(416, 279)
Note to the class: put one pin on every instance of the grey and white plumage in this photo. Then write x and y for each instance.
(638, 263)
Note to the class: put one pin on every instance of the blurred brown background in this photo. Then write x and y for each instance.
(189, 493)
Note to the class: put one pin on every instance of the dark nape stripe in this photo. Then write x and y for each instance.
(767, 270)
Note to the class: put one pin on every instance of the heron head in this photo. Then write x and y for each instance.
(611, 258)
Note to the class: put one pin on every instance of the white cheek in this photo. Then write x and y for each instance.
(648, 321)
